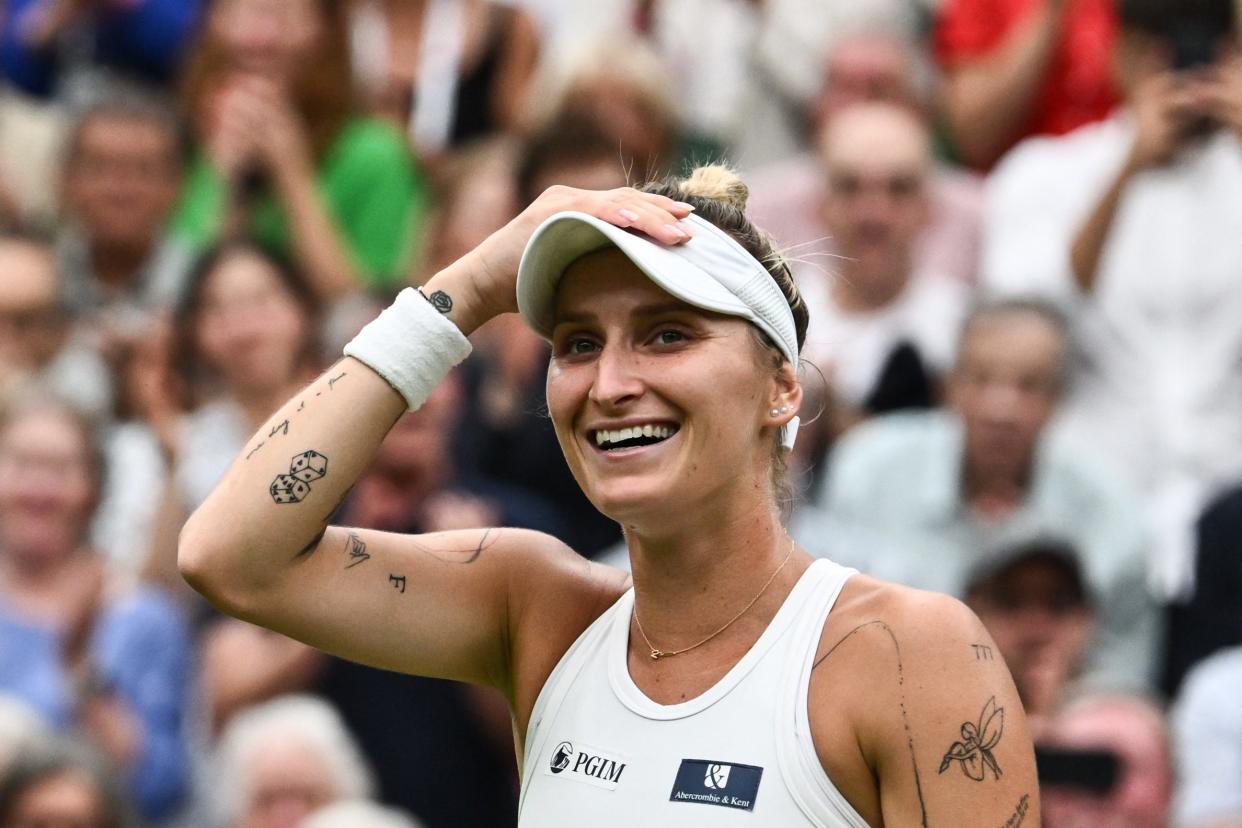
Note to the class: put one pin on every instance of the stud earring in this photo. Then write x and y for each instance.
(776, 412)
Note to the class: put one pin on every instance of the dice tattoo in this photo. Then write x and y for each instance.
(296, 485)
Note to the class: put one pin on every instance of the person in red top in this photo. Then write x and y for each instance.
(1016, 68)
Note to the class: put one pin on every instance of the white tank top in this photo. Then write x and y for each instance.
(600, 753)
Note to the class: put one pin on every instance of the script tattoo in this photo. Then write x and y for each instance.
(334, 380)
(471, 553)
(905, 720)
(304, 469)
(974, 752)
(982, 652)
(282, 428)
(1019, 812)
(357, 551)
(398, 583)
(261, 444)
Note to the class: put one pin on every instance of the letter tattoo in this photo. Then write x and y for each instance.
(334, 380)
(1019, 812)
(304, 469)
(283, 428)
(974, 752)
(261, 444)
(982, 652)
(398, 583)
(357, 551)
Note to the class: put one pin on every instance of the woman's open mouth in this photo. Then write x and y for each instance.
(630, 437)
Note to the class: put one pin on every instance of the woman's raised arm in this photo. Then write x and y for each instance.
(443, 604)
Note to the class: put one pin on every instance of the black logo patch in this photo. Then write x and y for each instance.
(717, 783)
(560, 758)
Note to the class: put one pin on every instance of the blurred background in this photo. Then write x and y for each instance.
(1017, 224)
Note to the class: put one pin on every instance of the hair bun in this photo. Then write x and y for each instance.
(718, 183)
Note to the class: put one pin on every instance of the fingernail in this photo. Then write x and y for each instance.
(678, 232)
(684, 206)
(629, 215)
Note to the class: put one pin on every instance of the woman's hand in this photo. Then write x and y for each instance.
(254, 128)
(483, 284)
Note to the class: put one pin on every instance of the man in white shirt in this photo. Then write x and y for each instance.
(926, 499)
(1134, 225)
(871, 304)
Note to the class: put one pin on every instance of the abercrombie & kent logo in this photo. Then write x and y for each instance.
(709, 782)
(586, 764)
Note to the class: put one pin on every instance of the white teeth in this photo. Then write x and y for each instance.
(606, 436)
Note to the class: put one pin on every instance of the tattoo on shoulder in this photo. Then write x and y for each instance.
(398, 583)
(1019, 812)
(982, 652)
(974, 752)
(901, 702)
(356, 549)
(304, 469)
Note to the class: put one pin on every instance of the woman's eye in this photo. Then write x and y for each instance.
(579, 346)
(670, 337)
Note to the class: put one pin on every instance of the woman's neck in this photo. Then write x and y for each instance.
(692, 579)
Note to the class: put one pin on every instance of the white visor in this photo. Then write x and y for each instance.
(710, 271)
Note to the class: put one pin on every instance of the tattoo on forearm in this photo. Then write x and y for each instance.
(1019, 812)
(332, 381)
(440, 300)
(356, 549)
(261, 444)
(905, 719)
(982, 652)
(974, 752)
(282, 428)
(303, 470)
(398, 583)
(301, 405)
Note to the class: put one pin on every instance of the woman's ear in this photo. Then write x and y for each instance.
(786, 398)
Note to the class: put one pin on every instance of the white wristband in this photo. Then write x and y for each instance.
(411, 345)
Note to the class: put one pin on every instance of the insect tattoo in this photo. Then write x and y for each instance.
(974, 752)
(982, 652)
(357, 551)
(398, 583)
(304, 469)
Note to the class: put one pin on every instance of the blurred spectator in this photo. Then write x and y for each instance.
(59, 785)
(442, 750)
(283, 157)
(1131, 735)
(1132, 225)
(46, 46)
(1207, 736)
(31, 137)
(279, 762)
(358, 814)
(921, 498)
(1210, 618)
(1034, 601)
(244, 342)
(448, 71)
(869, 65)
(619, 84)
(113, 663)
(124, 163)
(1015, 68)
(37, 340)
(882, 331)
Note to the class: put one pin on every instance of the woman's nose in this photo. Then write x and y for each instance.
(617, 379)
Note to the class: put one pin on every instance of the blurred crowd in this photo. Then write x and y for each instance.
(1018, 226)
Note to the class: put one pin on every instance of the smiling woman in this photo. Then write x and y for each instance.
(732, 674)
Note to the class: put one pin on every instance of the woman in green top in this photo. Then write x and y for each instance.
(282, 156)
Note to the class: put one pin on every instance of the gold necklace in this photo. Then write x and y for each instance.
(657, 653)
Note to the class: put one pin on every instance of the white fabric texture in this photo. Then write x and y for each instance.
(1206, 725)
(1158, 386)
(754, 717)
(411, 345)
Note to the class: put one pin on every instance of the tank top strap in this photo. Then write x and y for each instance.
(805, 778)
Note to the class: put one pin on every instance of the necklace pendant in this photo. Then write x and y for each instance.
(656, 655)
